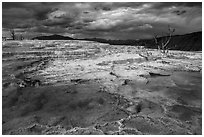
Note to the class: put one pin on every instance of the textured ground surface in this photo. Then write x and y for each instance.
(80, 87)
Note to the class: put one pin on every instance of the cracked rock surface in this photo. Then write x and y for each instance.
(82, 88)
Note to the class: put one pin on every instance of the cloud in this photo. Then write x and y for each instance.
(179, 12)
(105, 20)
(103, 24)
(145, 26)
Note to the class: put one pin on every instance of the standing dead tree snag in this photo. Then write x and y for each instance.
(156, 41)
(162, 46)
(21, 37)
(12, 34)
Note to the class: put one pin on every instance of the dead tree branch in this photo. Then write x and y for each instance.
(12, 34)
(163, 45)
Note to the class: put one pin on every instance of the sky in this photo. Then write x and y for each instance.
(108, 20)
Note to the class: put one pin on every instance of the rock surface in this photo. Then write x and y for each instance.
(80, 87)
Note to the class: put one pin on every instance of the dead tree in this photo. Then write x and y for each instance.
(163, 45)
(12, 34)
(21, 37)
(156, 41)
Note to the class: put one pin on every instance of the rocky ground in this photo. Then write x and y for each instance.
(81, 87)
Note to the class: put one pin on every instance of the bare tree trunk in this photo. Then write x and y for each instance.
(164, 41)
(12, 34)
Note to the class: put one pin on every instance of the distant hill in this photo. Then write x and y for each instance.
(52, 37)
(114, 42)
(186, 42)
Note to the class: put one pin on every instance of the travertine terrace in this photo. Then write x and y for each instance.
(94, 88)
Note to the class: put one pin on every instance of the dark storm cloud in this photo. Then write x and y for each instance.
(105, 20)
(177, 4)
(178, 12)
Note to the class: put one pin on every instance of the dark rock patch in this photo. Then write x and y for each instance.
(155, 74)
(184, 113)
(54, 106)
